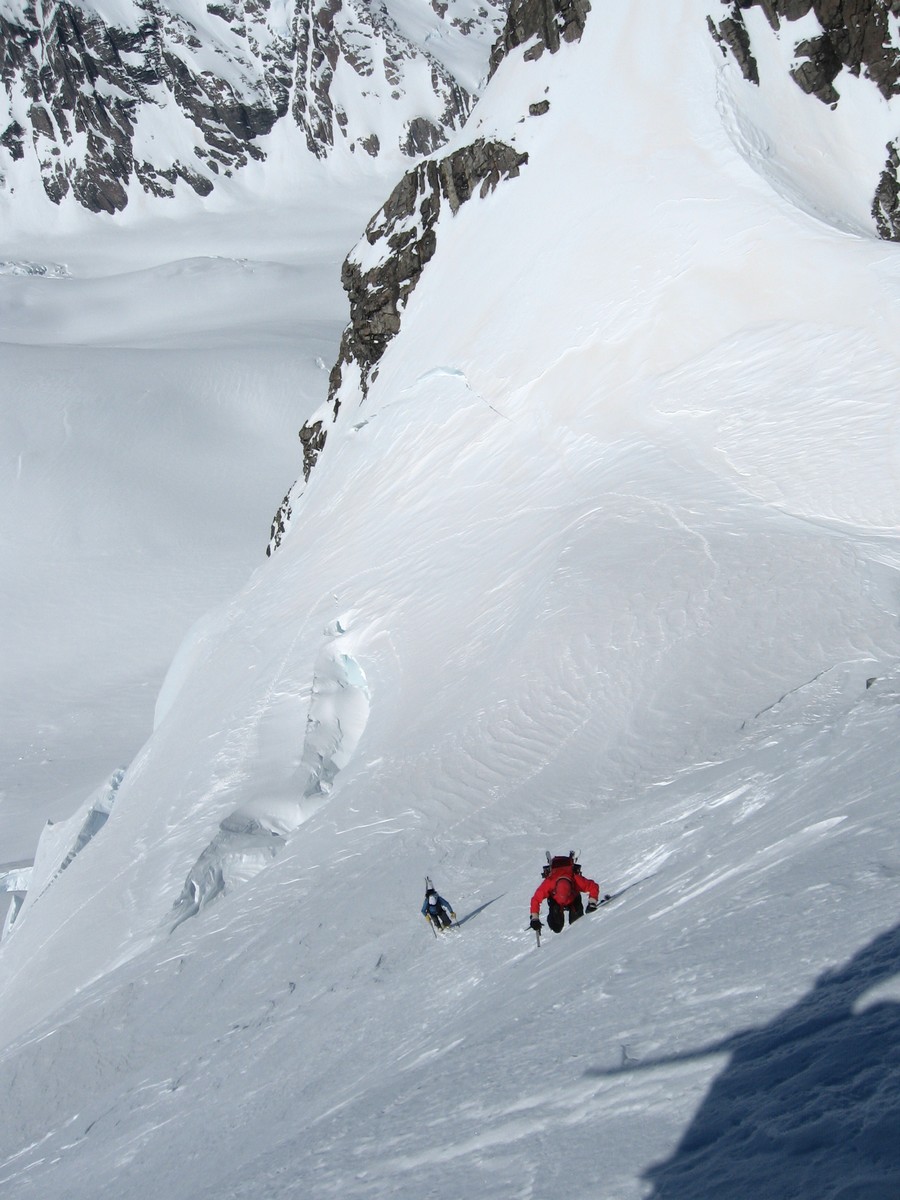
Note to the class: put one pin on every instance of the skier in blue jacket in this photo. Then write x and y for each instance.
(435, 910)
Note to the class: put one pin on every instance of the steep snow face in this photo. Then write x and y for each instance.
(604, 555)
(106, 103)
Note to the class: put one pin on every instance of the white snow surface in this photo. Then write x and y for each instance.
(154, 380)
(607, 559)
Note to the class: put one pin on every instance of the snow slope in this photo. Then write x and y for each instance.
(606, 559)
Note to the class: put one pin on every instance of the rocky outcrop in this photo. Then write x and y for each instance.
(312, 437)
(731, 34)
(818, 68)
(280, 523)
(403, 234)
(540, 25)
(85, 97)
(857, 36)
(383, 270)
(886, 205)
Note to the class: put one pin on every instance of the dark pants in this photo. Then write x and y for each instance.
(556, 914)
(440, 918)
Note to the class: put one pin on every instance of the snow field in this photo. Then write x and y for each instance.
(607, 560)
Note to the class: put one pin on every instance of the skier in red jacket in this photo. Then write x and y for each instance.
(561, 887)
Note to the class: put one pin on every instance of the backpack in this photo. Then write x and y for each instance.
(562, 869)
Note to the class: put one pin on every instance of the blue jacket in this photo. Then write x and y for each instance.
(426, 907)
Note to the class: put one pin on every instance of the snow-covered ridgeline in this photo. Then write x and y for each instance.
(830, 166)
(399, 241)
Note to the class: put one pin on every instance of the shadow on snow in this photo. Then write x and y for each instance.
(808, 1106)
(479, 909)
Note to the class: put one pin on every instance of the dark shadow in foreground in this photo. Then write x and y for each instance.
(808, 1107)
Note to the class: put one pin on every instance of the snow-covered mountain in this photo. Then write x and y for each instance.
(106, 102)
(594, 544)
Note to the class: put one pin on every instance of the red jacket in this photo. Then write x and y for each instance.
(547, 886)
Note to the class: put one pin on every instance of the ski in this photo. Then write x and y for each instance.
(608, 899)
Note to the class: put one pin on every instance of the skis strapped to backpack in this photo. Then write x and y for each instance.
(559, 861)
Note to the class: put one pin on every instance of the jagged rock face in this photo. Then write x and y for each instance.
(325, 38)
(77, 91)
(731, 34)
(403, 235)
(165, 100)
(857, 36)
(403, 231)
(886, 205)
(540, 25)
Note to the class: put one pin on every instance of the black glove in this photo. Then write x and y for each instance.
(591, 906)
(536, 924)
